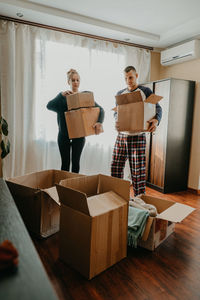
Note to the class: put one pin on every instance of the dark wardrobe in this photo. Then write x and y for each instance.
(168, 149)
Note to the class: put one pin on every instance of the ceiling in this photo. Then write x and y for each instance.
(154, 23)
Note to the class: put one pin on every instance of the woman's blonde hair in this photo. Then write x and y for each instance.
(70, 73)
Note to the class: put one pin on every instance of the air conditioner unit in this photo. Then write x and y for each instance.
(180, 53)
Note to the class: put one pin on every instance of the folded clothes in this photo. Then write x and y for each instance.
(8, 255)
(139, 203)
(136, 224)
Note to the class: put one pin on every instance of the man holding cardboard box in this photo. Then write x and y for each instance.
(131, 141)
(60, 106)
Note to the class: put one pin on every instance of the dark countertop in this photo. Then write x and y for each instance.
(29, 280)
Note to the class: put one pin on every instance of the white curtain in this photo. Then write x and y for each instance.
(34, 63)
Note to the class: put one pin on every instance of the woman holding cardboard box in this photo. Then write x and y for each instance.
(65, 144)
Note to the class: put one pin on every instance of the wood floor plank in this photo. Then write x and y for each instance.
(171, 272)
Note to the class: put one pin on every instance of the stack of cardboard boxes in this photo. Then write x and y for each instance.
(81, 114)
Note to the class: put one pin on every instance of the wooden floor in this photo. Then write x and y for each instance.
(171, 272)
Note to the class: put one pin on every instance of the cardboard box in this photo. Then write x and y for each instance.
(80, 122)
(93, 222)
(128, 98)
(160, 227)
(36, 197)
(134, 113)
(78, 100)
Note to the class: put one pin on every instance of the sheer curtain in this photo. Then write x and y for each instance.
(34, 63)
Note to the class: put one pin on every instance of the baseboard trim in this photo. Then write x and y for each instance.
(197, 192)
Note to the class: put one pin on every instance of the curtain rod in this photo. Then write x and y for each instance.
(74, 32)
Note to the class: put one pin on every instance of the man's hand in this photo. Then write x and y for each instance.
(98, 128)
(153, 123)
(67, 93)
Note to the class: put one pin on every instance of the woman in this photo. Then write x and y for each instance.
(59, 105)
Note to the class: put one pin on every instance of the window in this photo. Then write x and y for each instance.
(101, 72)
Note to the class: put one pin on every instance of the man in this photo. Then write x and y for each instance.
(132, 146)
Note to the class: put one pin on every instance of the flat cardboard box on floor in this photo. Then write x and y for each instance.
(36, 197)
(159, 228)
(134, 113)
(80, 122)
(93, 222)
(78, 100)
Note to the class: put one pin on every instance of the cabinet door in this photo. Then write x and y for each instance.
(159, 138)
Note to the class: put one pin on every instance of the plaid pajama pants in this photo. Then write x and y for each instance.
(133, 149)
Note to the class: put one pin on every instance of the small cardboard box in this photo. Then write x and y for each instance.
(78, 100)
(80, 122)
(36, 197)
(93, 222)
(134, 113)
(160, 227)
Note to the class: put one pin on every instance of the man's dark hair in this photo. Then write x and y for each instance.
(129, 68)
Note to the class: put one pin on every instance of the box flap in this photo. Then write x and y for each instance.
(176, 213)
(20, 190)
(94, 185)
(160, 204)
(129, 98)
(117, 185)
(78, 100)
(85, 184)
(36, 180)
(42, 179)
(60, 175)
(147, 228)
(153, 99)
(102, 203)
(73, 199)
(52, 192)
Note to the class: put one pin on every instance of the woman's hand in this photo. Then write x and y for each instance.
(67, 93)
(153, 123)
(98, 128)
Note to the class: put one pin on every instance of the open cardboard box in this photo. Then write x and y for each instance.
(78, 100)
(160, 227)
(93, 222)
(36, 197)
(134, 113)
(80, 122)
